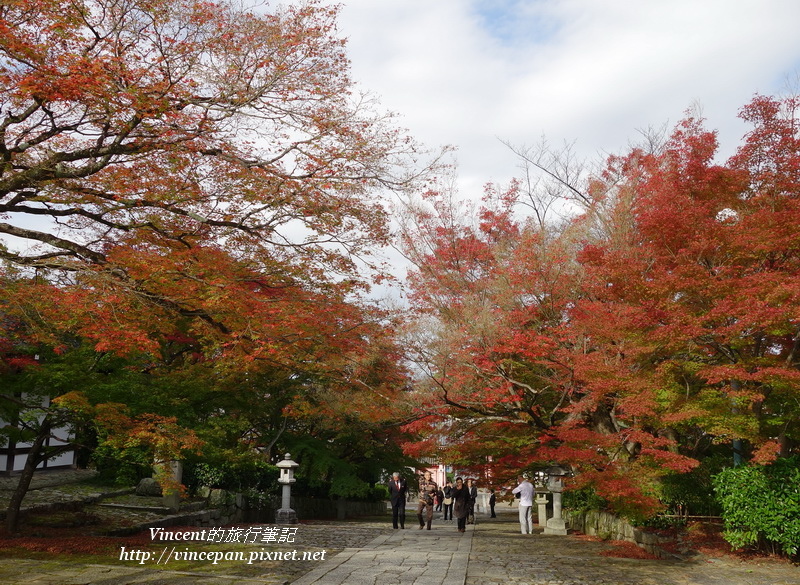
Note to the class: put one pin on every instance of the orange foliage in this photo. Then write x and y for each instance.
(664, 314)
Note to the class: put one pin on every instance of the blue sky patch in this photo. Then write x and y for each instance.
(515, 22)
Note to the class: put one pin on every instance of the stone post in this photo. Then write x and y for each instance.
(170, 495)
(285, 515)
(541, 501)
(556, 524)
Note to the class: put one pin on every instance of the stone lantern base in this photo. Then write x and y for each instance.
(541, 501)
(556, 526)
(285, 516)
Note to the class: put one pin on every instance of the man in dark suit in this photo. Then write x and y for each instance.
(397, 492)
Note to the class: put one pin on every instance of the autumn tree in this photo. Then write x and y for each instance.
(143, 143)
(191, 169)
(658, 323)
(489, 291)
(700, 298)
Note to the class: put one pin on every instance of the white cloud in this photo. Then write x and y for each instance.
(469, 73)
(466, 72)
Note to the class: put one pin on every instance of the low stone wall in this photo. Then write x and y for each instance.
(318, 509)
(224, 508)
(610, 527)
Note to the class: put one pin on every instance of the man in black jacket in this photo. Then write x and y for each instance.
(397, 493)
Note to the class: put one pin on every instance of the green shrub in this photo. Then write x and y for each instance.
(660, 522)
(693, 491)
(380, 492)
(583, 500)
(124, 467)
(761, 505)
(209, 475)
(236, 475)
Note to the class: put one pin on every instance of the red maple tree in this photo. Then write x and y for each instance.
(658, 322)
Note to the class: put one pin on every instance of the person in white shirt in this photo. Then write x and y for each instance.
(526, 492)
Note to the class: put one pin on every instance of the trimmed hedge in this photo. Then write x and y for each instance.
(761, 505)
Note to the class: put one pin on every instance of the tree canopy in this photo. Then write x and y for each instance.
(629, 340)
(198, 190)
(192, 159)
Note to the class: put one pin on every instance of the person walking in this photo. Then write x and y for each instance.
(448, 500)
(460, 496)
(526, 491)
(427, 494)
(473, 496)
(397, 494)
(492, 502)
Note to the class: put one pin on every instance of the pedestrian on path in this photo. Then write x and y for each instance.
(448, 501)
(526, 491)
(427, 494)
(397, 494)
(492, 502)
(460, 496)
(473, 496)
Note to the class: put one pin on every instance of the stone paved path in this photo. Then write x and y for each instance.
(495, 553)
(500, 555)
(30, 572)
(491, 553)
(421, 557)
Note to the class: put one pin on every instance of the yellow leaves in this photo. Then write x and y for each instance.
(75, 401)
(161, 435)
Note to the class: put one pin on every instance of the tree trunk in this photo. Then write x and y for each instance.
(783, 442)
(34, 458)
(737, 446)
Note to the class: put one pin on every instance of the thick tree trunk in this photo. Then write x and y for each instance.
(34, 458)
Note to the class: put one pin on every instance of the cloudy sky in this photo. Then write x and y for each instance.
(469, 73)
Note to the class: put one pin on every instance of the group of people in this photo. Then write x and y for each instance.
(458, 501)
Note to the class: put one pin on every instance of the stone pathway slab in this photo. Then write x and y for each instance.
(404, 557)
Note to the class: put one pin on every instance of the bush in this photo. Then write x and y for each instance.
(583, 500)
(124, 467)
(693, 492)
(660, 522)
(238, 475)
(761, 505)
(380, 492)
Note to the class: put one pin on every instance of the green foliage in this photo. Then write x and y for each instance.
(693, 491)
(346, 463)
(663, 523)
(380, 492)
(124, 467)
(761, 505)
(209, 476)
(348, 486)
(242, 474)
(583, 500)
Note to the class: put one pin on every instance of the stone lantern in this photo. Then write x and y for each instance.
(540, 483)
(285, 515)
(555, 484)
